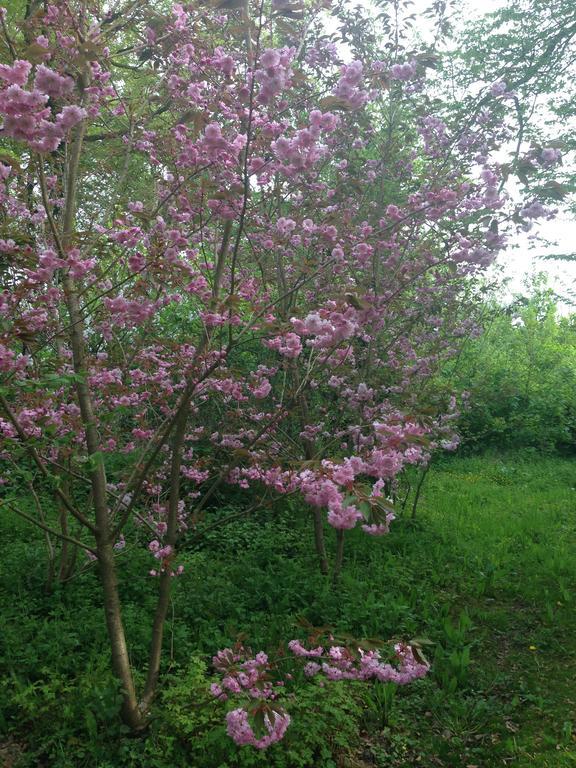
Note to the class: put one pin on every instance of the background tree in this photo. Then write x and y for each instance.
(520, 376)
(523, 54)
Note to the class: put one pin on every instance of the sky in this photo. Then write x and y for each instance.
(522, 257)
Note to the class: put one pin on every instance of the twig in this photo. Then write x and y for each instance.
(46, 527)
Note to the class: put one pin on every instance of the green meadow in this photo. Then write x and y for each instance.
(484, 578)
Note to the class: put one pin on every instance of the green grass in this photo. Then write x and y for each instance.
(512, 522)
(486, 573)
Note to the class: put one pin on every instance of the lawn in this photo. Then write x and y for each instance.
(485, 577)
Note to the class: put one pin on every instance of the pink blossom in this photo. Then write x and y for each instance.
(403, 71)
(298, 649)
(550, 156)
(379, 529)
(289, 345)
(342, 516)
(70, 116)
(239, 729)
(347, 87)
(263, 389)
(274, 73)
(50, 82)
(17, 74)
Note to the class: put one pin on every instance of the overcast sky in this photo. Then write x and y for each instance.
(521, 258)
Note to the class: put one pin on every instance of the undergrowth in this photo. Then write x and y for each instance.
(484, 577)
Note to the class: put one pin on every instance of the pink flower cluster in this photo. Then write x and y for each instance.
(405, 71)
(241, 674)
(131, 313)
(305, 148)
(323, 492)
(274, 721)
(216, 146)
(329, 325)
(340, 663)
(343, 509)
(25, 113)
(10, 362)
(347, 87)
(288, 345)
(164, 554)
(550, 156)
(249, 677)
(274, 73)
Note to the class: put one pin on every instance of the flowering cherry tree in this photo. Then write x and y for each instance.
(232, 253)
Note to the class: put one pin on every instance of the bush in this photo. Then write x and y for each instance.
(521, 376)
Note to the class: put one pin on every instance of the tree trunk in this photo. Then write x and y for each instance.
(131, 713)
(165, 575)
(339, 559)
(419, 489)
(68, 551)
(319, 542)
(106, 566)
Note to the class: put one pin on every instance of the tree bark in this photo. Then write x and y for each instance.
(120, 660)
(131, 713)
(419, 489)
(319, 542)
(339, 558)
(165, 575)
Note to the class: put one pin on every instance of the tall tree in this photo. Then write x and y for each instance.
(204, 284)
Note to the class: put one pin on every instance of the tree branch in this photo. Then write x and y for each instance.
(47, 528)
